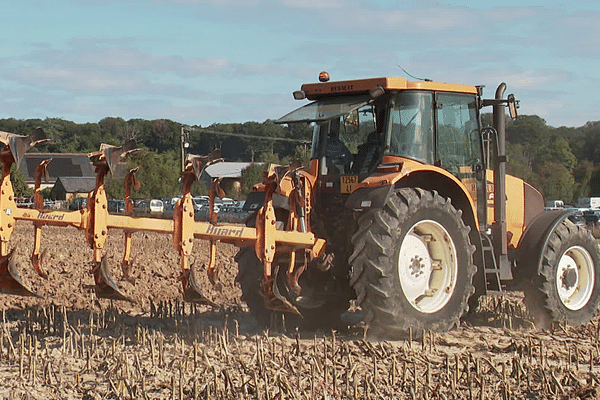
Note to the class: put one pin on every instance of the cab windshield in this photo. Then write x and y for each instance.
(325, 109)
(345, 140)
(345, 133)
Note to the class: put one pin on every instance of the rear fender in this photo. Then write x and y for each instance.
(534, 240)
(369, 197)
(365, 198)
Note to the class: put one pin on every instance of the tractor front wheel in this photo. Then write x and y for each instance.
(567, 287)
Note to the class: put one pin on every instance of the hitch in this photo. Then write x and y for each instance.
(288, 180)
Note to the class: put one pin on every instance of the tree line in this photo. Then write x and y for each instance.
(161, 140)
(563, 163)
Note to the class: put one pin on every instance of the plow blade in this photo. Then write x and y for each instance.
(105, 287)
(274, 300)
(192, 291)
(10, 281)
(36, 260)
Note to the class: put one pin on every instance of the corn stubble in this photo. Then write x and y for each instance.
(178, 351)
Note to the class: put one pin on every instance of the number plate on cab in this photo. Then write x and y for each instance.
(348, 183)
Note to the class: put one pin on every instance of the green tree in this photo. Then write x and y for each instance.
(17, 179)
(584, 175)
(557, 182)
(158, 175)
(519, 163)
(254, 173)
(46, 193)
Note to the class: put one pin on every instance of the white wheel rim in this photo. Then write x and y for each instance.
(427, 266)
(575, 278)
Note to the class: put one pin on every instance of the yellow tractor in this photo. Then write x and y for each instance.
(410, 194)
(405, 207)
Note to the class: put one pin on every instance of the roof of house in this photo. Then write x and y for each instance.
(226, 169)
(76, 184)
(62, 165)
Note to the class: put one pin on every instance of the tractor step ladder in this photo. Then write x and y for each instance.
(493, 285)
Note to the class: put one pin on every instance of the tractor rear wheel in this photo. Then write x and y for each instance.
(320, 314)
(412, 265)
(567, 287)
(249, 276)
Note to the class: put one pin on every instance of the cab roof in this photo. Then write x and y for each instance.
(318, 90)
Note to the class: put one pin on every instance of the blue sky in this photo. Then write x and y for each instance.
(217, 61)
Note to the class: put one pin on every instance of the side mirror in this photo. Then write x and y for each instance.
(299, 95)
(513, 104)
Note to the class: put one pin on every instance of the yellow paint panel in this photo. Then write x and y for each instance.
(442, 87)
(515, 206)
(314, 90)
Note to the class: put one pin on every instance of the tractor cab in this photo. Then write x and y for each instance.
(432, 123)
(363, 124)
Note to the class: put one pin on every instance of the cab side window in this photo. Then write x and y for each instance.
(457, 131)
(412, 126)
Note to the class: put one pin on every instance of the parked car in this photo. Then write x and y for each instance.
(25, 202)
(170, 201)
(78, 204)
(200, 201)
(116, 206)
(141, 206)
(156, 206)
(153, 206)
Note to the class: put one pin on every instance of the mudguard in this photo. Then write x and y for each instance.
(254, 201)
(534, 240)
(369, 197)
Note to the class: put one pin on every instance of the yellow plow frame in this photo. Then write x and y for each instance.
(96, 222)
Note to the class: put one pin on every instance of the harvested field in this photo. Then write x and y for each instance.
(69, 345)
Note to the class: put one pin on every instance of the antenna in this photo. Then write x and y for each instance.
(414, 77)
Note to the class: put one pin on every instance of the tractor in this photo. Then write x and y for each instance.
(405, 208)
(418, 218)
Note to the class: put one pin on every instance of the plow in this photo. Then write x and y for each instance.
(96, 223)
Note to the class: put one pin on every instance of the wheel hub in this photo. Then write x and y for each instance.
(427, 266)
(416, 267)
(569, 278)
(575, 277)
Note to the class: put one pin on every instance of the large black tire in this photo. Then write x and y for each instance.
(326, 315)
(249, 276)
(567, 287)
(404, 279)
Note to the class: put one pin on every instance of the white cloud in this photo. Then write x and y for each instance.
(314, 4)
(533, 79)
(73, 79)
(169, 54)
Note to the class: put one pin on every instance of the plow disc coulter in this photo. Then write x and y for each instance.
(96, 222)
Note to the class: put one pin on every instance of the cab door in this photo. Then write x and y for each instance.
(458, 143)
